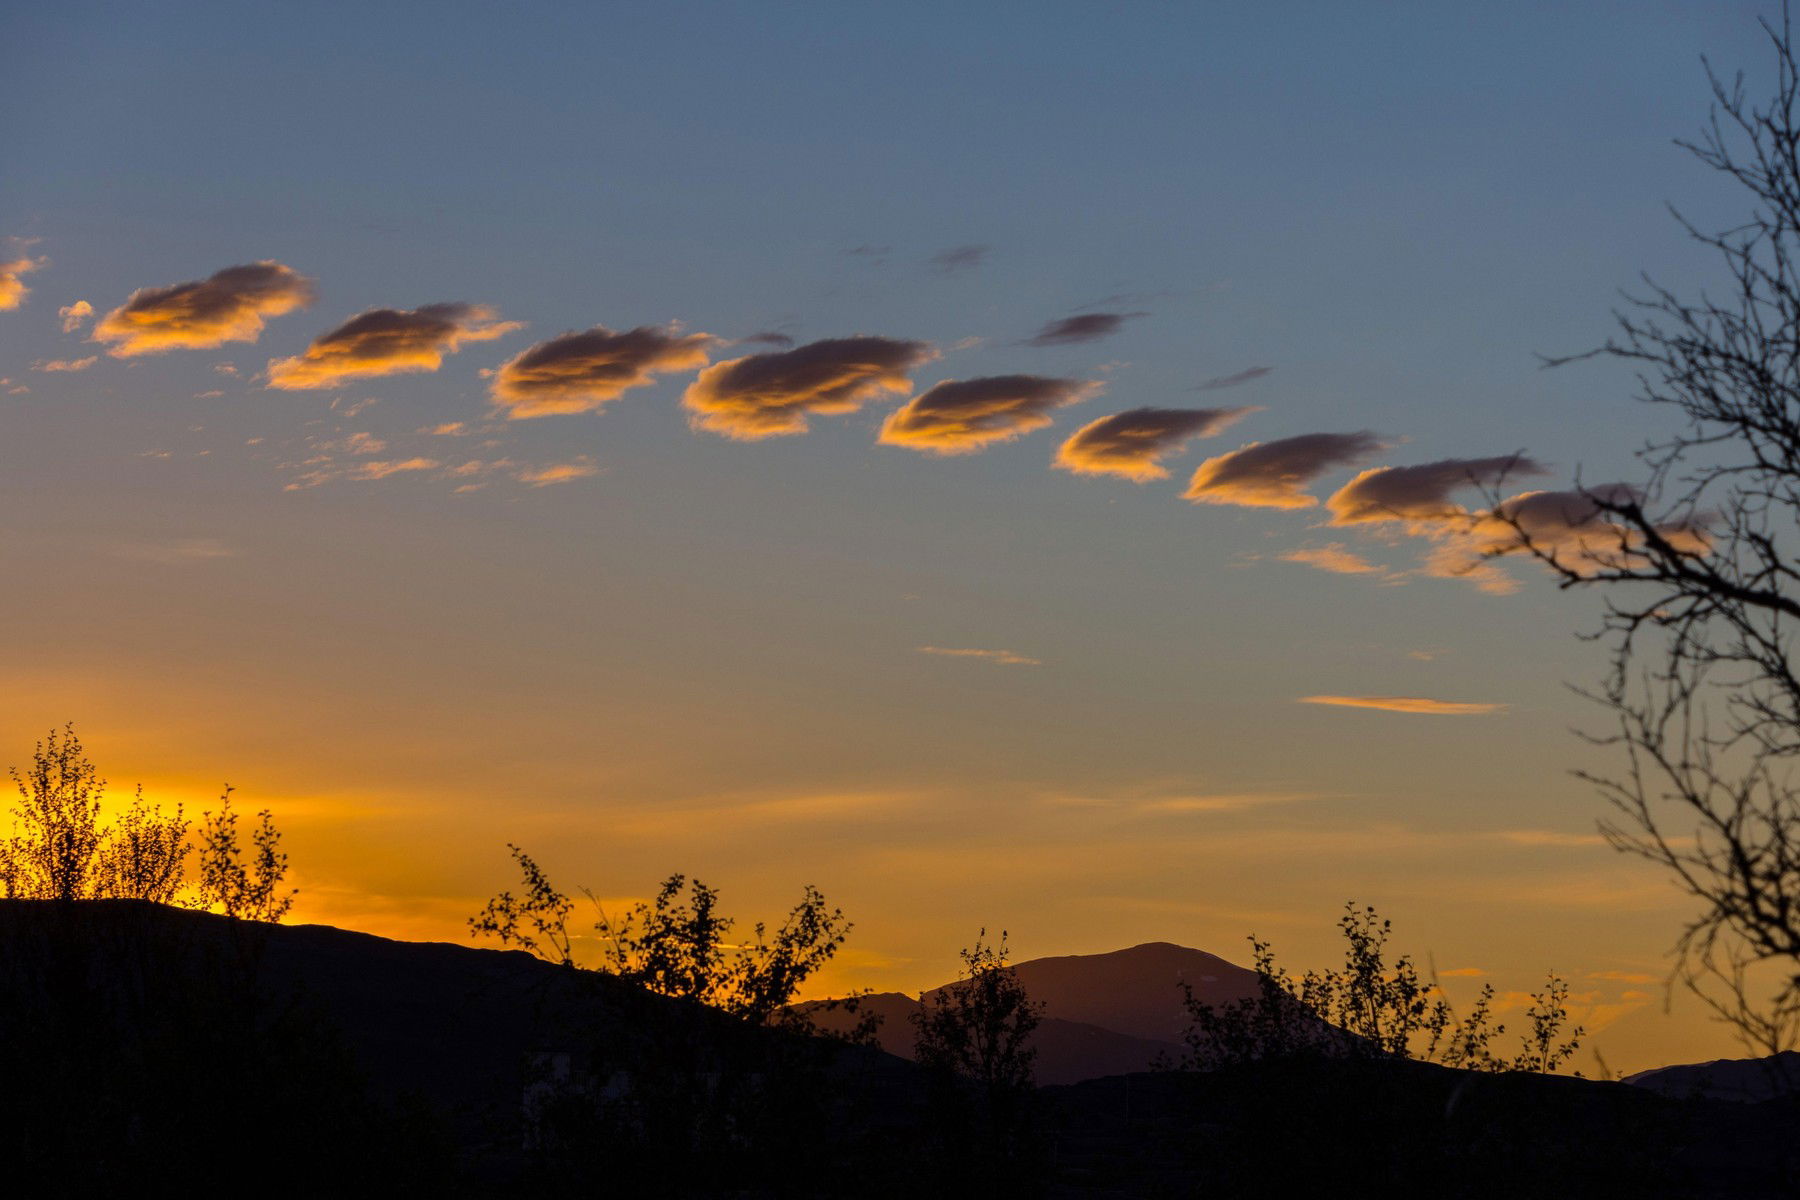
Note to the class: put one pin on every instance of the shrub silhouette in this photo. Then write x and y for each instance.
(974, 1041)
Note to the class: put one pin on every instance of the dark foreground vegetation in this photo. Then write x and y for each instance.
(147, 1046)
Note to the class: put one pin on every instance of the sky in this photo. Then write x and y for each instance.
(921, 451)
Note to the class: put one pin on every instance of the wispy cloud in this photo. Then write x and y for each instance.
(1335, 557)
(775, 394)
(1409, 704)
(581, 372)
(1004, 658)
(1083, 327)
(962, 416)
(179, 552)
(54, 365)
(388, 341)
(1272, 474)
(12, 281)
(958, 259)
(231, 305)
(73, 315)
(1226, 381)
(1134, 444)
(554, 473)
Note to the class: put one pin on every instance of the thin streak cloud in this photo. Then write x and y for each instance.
(1409, 704)
(1002, 658)
(1083, 327)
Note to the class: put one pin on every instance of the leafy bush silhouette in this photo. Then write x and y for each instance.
(974, 1042)
(707, 1072)
(1370, 1008)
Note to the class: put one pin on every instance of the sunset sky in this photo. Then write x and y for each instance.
(916, 450)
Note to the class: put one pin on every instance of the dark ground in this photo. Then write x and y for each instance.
(145, 1047)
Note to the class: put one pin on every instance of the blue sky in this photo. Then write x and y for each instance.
(705, 655)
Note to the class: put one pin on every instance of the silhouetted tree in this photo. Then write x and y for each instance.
(1700, 566)
(709, 1075)
(60, 850)
(247, 889)
(974, 1038)
(1372, 1007)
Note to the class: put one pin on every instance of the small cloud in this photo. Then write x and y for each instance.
(962, 416)
(1462, 973)
(1084, 327)
(73, 315)
(1550, 837)
(869, 250)
(1271, 474)
(358, 443)
(1335, 557)
(383, 469)
(65, 364)
(775, 394)
(1423, 655)
(181, 552)
(1623, 976)
(447, 429)
(388, 341)
(1408, 704)
(1227, 381)
(1422, 492)
(228, 306)
(1135, 443)
(766, 337)
(13, 389)
(212, 395)
(581, 372)
(580, 468)
(12, 281)
(958, 259)
(225, 368)
(1004, 658)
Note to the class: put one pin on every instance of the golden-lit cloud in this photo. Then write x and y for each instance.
(12, 281)
(1463, 973)
(1083, 327)
(961, 416)
(381, 469)
(74, 314)
(1135, 443)
(1335, 557)
(446, 429)
(1409, 704)
(54, 365)
(228, 306)
(565, 472)
(1422, 492)
(580, 372)
(1272, 474)
(773, 395)
(388, 341)
(1573, 526)
(1003, 658)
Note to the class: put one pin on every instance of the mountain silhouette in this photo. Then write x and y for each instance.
(1103, 1014)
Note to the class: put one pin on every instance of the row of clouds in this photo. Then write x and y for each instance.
(780, 392)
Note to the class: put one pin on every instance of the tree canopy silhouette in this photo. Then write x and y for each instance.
(1700, 567)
